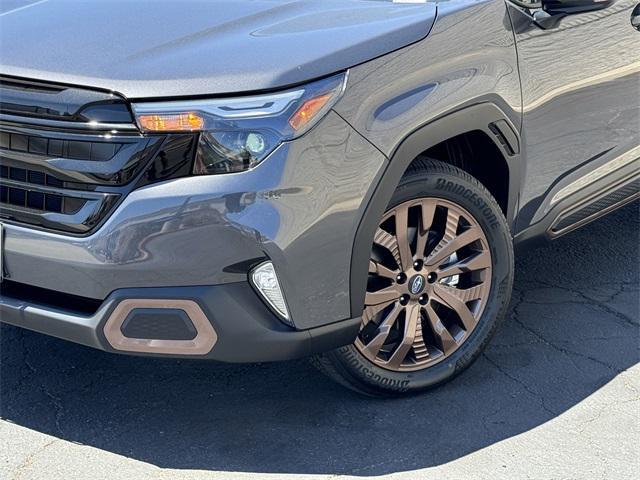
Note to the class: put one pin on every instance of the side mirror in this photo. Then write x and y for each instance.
(568, 7)
(553, 11)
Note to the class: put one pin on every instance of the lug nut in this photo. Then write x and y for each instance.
(432, 277)
(401, 278)
(423, 300)
(417, 265)
(404, 299)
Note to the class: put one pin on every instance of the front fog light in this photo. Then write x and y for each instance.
(265, 281)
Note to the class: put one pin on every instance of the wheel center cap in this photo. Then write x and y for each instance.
(416, 284)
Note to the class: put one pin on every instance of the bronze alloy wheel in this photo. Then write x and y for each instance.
(429, 281)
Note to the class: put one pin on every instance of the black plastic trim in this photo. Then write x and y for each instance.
(507, 136)
(247, 330)
(51, 299)
(543, 230)
(158, 324)
(593, 208)
(69, 125)
(33, 101)
(474, 117)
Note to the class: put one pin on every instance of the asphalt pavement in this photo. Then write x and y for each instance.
(555, 396)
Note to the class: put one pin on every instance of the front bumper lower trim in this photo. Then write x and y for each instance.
(232, 325)
(202, 344)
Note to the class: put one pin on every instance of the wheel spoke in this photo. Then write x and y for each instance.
(426, 221)
(419, 346)
(410, 324)
(480, 261)
(386, 295)
(402, 236)
(465, 294)
(374, 346)
(371, 311)
(449, 234)
(382, 271)
(421, 244)
(447, 343)
(456, 300)
(388, 241)
(446, 248)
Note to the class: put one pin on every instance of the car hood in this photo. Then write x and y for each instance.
(160, 48)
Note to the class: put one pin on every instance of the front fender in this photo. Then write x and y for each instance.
(485, 117)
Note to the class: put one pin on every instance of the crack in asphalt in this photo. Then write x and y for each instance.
(55, 400)
(485, 419)
(59, 409)
(497, 346)
(515, 316)
(521, 299)
(592, 301)
(528, 389)
(30, 459)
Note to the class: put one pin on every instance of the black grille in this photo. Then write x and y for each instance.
(63, 179)
(59, 168)
(31, 176)
(68, 155)
(28, 98)
(158, 324)
(54, 147)
(36, 200)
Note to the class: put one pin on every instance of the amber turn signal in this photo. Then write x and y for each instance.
(171, 122)
(308, 110)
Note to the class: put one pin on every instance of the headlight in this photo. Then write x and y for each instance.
(238, 133)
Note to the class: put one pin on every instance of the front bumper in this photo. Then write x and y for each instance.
(244, 330)
(300, 209)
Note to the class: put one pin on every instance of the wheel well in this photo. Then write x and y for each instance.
(475, 153)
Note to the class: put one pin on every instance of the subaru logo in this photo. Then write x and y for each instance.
(416, 284)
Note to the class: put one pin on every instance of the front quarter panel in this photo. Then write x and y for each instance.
(461, 78)
(468, 57)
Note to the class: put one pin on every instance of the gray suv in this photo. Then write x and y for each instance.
(250, 181)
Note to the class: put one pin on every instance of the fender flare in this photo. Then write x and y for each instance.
(486, 117)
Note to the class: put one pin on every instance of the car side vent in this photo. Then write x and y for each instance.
(506, 136)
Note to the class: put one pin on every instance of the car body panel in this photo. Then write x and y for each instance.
(392, 96)
(300, 207)
(581, 107)
(206, 48)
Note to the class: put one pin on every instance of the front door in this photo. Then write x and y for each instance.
(581, 102)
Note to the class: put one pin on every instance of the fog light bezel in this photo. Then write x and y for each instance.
(283, 316)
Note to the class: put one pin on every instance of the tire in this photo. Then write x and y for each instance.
(394, 370)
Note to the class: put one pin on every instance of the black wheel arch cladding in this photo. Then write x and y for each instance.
(479, 116)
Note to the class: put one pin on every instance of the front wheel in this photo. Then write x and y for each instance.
(440, 278)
